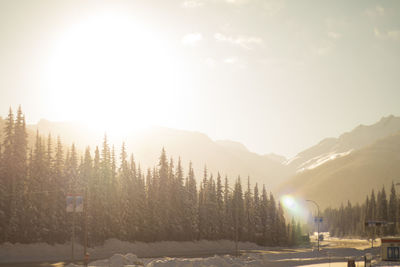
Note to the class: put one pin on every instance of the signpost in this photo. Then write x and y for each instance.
(74, 204)
(373, 225)
(317, 219)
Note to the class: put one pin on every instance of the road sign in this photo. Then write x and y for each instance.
(376, 223)
(318, 219)
(70, 203)
(74, 203)
(78, 204)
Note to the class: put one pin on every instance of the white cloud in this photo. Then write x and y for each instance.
(231, 60)
(334, 35)
(273, 7)
(246, 42)
(237, 2)
(192, 38)
(210, 62)
(192, 3)
(375, 12)
(387, 35)
(324, 47)
(394, 35)
(323, 50)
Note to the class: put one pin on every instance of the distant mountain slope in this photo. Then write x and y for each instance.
(228, 157)
(350, 177)
(332, 148)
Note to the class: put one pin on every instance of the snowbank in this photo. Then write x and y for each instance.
(35, 252)
(118, 260)
(224, 261)
(45, 252)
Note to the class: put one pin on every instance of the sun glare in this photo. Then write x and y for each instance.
(113, 73)
(289, 202)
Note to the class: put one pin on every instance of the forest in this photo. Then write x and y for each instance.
(122, 200)
(377, 216)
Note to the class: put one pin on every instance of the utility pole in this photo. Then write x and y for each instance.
(236, 233)
(86, 227)
(73, 233)
(318, 218)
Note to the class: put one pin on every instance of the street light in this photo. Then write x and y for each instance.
(318, 218)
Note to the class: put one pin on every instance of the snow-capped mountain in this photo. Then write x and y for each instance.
(333, 148)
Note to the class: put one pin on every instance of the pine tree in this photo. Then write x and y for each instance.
(202, 209)
(220, 208)
(281, 228)
(273, 221)
(124, 176)
(7, 174)
(192, 205)
(265, 217)
(257, 216)
(228, 214)
(20, 171)
(372, 206)
(86, 174)
(163, 208)
(60, 185)
(238, 210)
(178, 203)
(383, 209)
(249, 213)
(106, 190)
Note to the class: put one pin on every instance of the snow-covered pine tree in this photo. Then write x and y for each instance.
(249, 213)
(392, 211)
(220, 208)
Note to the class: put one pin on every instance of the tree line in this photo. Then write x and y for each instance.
(124, 201)
(378, 215)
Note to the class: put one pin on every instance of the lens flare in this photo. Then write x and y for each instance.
(289, 202)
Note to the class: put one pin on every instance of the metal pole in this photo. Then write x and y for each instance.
(316, 204)
(73, 232)
(318, 228)
(236, 233)
(86, 234)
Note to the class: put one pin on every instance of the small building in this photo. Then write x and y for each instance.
(390, 248)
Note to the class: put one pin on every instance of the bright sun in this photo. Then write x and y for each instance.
(113, 73)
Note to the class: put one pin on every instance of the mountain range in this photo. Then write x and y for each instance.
(349, 167)
(229, 158)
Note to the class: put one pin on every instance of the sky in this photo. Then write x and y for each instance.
(277, 76)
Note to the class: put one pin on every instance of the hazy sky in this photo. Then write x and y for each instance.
(277, 75)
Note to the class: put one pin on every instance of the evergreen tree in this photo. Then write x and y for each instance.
(202, 209)
(238, 210)
(257, 215)
(228, 214)
(264, 211)
(7, 174)
(220, 208)
(249, 213)
(163, 208)
(191, 206)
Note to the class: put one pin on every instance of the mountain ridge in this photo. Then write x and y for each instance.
(227, 157)
(331, 148)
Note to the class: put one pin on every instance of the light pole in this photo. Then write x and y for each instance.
(318, 218)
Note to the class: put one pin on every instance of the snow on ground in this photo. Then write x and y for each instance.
(334, 264)
(115, 253)
(45, 252)
(220, 261)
